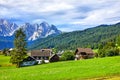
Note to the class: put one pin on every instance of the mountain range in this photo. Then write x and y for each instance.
(7, 28)
(32, 31)
(44, 35)
(91, 37)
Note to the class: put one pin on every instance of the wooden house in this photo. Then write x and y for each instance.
(83, 53)
(42, 54)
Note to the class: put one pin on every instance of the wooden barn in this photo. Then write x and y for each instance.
(54, 58)
(83, 53)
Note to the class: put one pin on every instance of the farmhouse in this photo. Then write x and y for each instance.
(83, 53)
(42, 54)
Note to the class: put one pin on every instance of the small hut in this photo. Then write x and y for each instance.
(54, 58)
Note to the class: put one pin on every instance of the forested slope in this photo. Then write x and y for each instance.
(91, 37)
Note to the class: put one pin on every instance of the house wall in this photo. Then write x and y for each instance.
(40, 61)
(28, 63)
(90, 56)
(41, 57)
(83, 56)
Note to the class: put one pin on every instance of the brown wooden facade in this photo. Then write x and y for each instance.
(83, 53)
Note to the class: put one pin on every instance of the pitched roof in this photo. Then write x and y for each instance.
(53, 55)
(42, 52)
(87, 50)
(29, 58)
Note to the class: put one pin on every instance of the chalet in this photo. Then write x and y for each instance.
(54, 58)
(42, 54)
(83, 53)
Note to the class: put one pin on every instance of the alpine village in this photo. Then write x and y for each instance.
(42, 50)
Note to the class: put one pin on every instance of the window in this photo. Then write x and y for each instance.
(83, 53)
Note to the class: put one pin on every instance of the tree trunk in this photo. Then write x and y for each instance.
(18, 65)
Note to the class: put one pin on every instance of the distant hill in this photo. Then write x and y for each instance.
(86, 38)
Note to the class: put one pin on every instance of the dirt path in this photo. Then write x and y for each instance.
(107, 78)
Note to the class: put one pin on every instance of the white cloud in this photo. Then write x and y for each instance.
(102, 15)
(58, 12)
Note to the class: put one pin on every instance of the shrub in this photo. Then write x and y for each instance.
(108, 52)
(67, 55)
(101, 53)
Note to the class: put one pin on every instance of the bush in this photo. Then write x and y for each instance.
(101, 53)
(112, 52)
(108, 52)
(68, 55)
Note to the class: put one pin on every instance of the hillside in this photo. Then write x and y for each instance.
(86, 38)
(67, 70)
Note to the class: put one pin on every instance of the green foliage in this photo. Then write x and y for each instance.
(118, 40)
(54, 50)
(87, 38)
(67, 55)
(110, 49)
(112, 52)
(66, 70)
(19, 52)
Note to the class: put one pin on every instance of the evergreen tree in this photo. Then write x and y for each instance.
(19, 52)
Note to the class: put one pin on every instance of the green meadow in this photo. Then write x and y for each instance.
(66, 70)
(4, 61)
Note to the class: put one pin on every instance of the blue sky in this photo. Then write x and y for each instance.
(67, 15)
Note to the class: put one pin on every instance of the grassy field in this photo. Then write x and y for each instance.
(91, 69)
(4, 61)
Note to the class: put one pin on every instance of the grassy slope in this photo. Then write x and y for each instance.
(69, 70)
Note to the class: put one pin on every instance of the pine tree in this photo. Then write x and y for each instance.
(19, 52)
